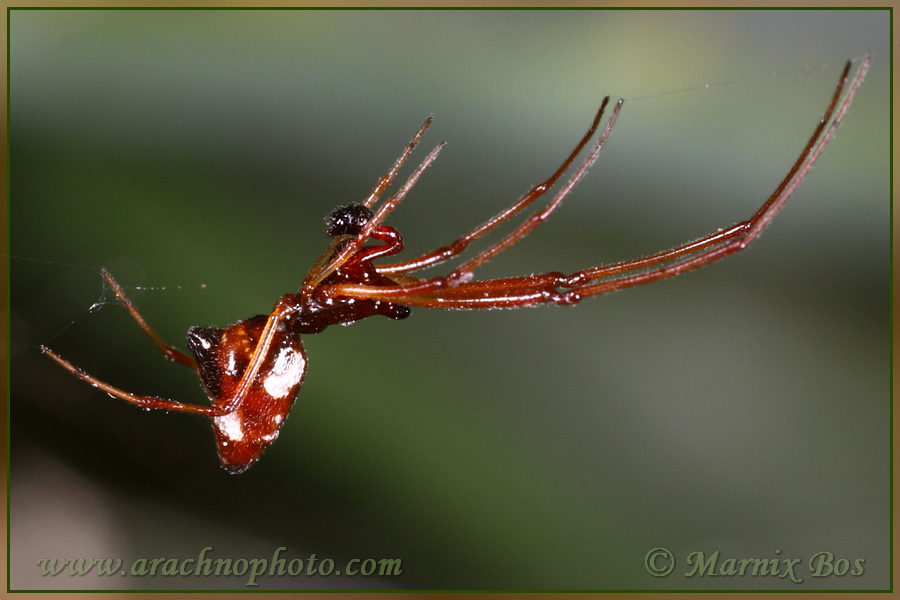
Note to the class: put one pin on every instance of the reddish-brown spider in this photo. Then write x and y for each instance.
(252, 370)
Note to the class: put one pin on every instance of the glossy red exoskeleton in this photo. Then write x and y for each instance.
(252, 370)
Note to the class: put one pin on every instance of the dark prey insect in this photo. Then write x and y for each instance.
(252, 370)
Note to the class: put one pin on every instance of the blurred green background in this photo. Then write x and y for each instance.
(742, 408)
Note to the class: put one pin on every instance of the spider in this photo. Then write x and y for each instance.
(252, 370)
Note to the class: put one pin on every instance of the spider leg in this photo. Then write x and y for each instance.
(326, 262)
(329, 262)
(540, 289)
(536, 219)
(170, 352)
(463, 273)
(325, 267)
(746, 231)
(142, 401)
(281, 311)
(386, 180)
(459, 246)
(393, 243)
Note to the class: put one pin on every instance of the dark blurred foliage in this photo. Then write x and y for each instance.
(742, 408)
